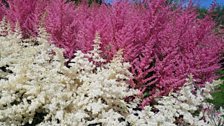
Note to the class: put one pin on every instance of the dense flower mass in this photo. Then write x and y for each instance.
(163, 44)
(26, 13)
(35, 84)
(36, 88)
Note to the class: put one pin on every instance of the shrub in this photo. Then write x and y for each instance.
(162, 45)
(37, 89)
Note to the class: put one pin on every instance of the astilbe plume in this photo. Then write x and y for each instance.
(169, 49)
(123, 25)
(163, 45)
(26, 13)
(186, 45)
(61, 25)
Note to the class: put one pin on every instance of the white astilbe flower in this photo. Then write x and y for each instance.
(36, 86)
(186, 107)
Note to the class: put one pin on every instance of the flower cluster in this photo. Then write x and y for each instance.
(24, 12)
(188, 106)
(163, 45)
(37, 88)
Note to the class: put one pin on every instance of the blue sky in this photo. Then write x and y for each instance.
(201, 3)
(207, 3)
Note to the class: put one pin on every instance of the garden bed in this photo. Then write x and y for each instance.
(125, 64)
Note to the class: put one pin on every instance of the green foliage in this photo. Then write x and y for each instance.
(172, 1)
(202, 12)
(218, 94)
(217, 14)
(221, 72)
(89, 1)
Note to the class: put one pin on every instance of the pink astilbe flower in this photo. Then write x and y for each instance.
(163, 45)
(186, 46)
(59, 24)
(27, 13)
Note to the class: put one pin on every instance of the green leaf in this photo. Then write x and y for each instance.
(146, 94)
(220, 72)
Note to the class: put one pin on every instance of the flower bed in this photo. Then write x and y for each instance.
(38, 89)
(124, 64)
